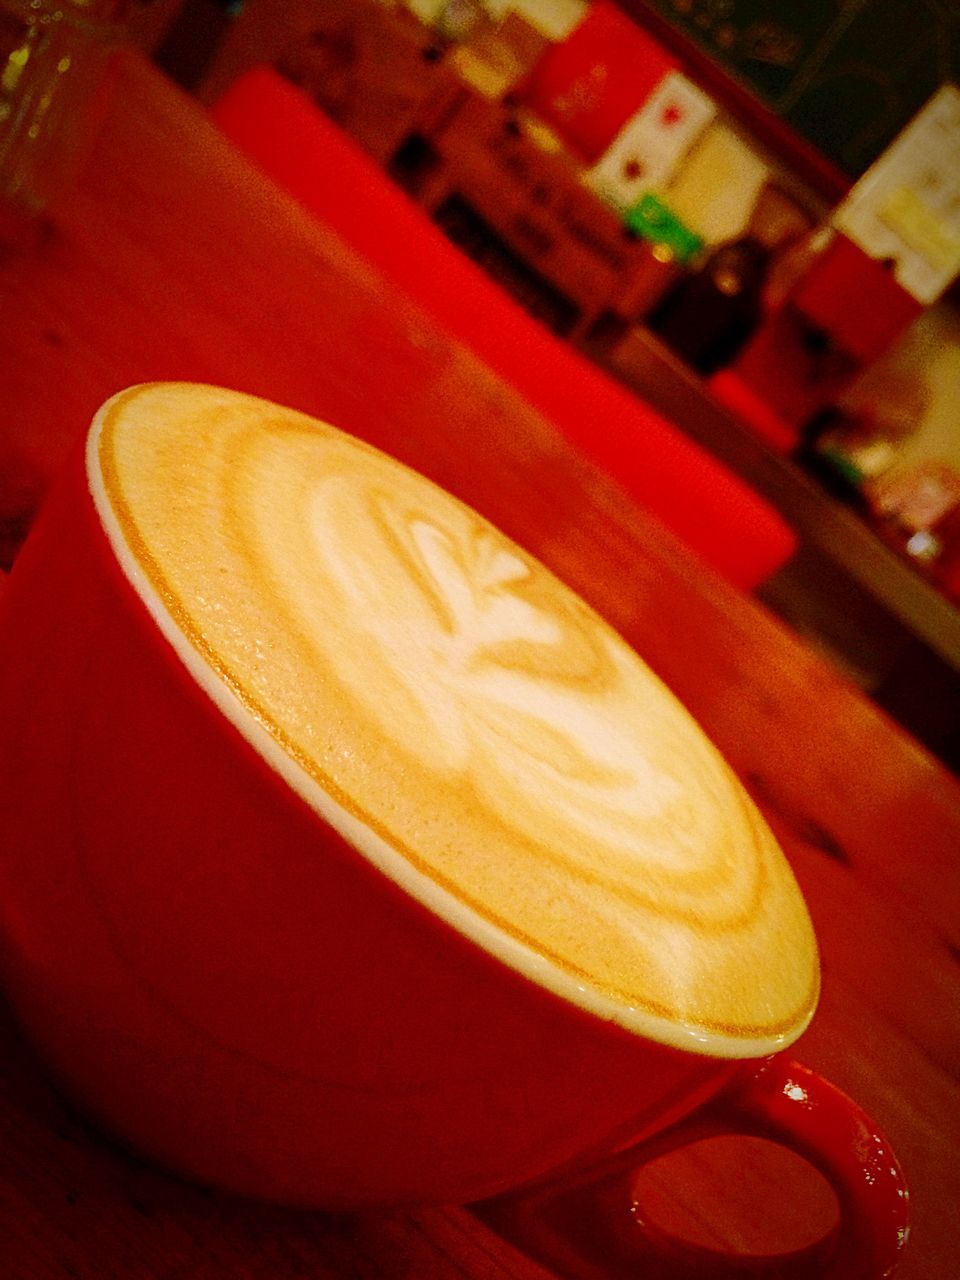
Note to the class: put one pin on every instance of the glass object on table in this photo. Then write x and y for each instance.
(52, 57)
(709, 315)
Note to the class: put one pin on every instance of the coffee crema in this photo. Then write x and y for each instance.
(469, 724)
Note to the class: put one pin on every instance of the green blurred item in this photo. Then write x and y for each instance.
(651, 219)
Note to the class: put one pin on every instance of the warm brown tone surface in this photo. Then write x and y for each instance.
(174, 260)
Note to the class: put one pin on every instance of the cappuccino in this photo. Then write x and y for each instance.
(461, 717)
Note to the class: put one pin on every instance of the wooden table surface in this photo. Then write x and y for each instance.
(173, 259)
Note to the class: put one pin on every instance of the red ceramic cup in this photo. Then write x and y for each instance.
(220, 978)
(589, 1222)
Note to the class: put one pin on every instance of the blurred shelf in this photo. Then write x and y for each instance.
(644, 364)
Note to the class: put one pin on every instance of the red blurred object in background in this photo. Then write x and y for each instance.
(844, 312)
(856, 299)
(706, 505)
(589, 85)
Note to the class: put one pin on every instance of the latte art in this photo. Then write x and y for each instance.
(467, 721)
(465, 674)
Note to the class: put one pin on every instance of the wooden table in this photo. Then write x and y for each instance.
(174, 259)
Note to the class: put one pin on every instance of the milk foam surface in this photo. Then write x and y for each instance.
(502, 744)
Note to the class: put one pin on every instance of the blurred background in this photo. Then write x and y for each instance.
(747, 211)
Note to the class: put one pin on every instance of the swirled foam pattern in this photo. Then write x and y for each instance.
(493, 741)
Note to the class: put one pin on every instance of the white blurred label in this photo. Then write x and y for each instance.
(907, 205)
(647, 150)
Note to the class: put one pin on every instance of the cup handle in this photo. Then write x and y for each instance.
(590, 1228)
